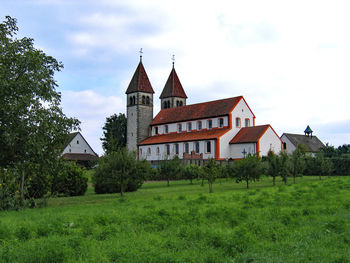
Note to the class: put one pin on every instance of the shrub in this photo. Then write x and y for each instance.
(69, 180)
(191, 172)
(120, 172)
(170, 169)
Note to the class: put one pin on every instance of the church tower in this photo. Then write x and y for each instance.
(139, 107)
(173, 95)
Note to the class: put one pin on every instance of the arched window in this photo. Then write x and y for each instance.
(157, 150)
(147, 100)
(176, 149)
(177, 103)
(149, 151)
(208, 147)
(197, 147)
(143, 100)
(181, 103)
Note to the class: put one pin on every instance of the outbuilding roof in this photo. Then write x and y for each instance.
(184, 136)
(140, 81)
(197, 111)
(250, 134)
(312, 142)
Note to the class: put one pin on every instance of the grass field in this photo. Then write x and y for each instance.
(305, 222)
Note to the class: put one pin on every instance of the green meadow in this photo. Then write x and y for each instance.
(304, 222)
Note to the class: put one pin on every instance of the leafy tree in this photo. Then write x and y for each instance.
(33, 127)
(114, 133)
(285, 166)
(328, 151)
(120, 172)
(298, 163)
(248, 169)
(211, 172)
(274, 166)
(191, 172)
(169, 169)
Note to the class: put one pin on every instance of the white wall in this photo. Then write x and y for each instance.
(162, 150)
(242, 111)
(237, 150)
(75, 147)
(269, 141)
(290, 146)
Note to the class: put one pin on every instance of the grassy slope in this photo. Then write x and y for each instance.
(306, 222)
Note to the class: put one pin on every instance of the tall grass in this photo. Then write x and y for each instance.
(305, 222)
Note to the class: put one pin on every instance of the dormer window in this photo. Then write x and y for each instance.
(221, 122)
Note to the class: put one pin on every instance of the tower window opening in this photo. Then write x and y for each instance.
(165, 105)
(181, 103)
(147, 100)
(130, 100)
(168, 104)
(143, 100)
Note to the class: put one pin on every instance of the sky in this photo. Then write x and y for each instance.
(289, 59)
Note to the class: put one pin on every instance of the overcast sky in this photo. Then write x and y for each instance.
(289, 59)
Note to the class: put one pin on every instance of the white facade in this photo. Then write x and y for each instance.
(78, 145)
(241, 150)
(289, 146)
(269, 141)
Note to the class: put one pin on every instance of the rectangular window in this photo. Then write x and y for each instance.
(221, 122)
(166, 129)
(208, 147)
(189, 126)
(176, 149)
(247, 122)
(156, 130)
(179, 127)
(187, 148)
(210, 124)
(167, 149)
(199, 125)
(197, 147)
(238, 122)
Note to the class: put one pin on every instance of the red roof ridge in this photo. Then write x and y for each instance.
(250, 134)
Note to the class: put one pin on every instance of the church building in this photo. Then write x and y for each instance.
(221, 129)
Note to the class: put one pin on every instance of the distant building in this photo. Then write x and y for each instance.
(77, 149)
(291, 141)
(221, 129)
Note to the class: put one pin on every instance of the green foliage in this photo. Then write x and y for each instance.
(191, 172)
(318, 165)
(170, 169)
(278, 165)
(33, 127)
(211, 172)
(69, 180)
(9, 193)
(119, 172)
(114, 133)
(341, 166)
(297, 163)
(248, 169)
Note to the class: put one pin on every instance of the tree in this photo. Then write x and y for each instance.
(114, 133)
(190, 172)
(120, 172)
(33, 127)
(248, 169)
(211, 170)
(169, 169)
(273, 166)
(298, 163)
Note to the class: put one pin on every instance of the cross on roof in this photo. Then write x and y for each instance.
(141, 52)
(244, 152)
(173, 59)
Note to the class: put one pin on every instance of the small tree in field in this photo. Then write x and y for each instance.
(297, 163)
(211, 171)
(274, 166)
(191, 172)
(169, 169)
(248, 169)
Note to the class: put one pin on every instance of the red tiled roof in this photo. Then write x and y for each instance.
(140, 81)
(249, 134)
(186, 136)
(173, 87)
(80, 157)
(197, 111)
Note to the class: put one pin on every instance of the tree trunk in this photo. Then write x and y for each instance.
(210, 187)
(320, 177)
(22, 186)
(191, 181)
(247, 181)
(202, 182)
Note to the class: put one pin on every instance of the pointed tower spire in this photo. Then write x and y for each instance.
(140, 81)
(173, 94)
